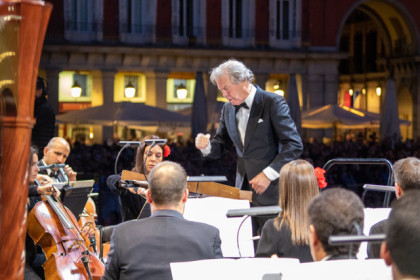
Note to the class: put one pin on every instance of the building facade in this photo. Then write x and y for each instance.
(340, 51)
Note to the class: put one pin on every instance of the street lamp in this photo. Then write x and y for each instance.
(76, 90)
(181, 92)
(129, 90)
(378, 90)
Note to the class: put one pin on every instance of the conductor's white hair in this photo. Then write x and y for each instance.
(236, 70)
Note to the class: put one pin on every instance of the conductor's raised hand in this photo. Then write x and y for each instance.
(202, 141)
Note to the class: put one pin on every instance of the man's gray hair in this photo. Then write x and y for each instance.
(236, 70)
(167, 183)
(407, 173)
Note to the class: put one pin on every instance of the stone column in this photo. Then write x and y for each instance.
(53, 88)
(315, 97)
(108, 78)
(156, 88)
(331, 89)
(416, 106)
(316, 90)
(261, 79)
(212, 113)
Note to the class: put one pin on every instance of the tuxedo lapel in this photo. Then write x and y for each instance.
(254, 116)
(233, 127)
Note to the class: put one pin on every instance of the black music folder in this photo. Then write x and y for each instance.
(76, 195)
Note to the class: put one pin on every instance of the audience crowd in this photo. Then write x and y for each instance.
(98, 162)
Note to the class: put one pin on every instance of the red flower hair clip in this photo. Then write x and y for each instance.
(319, 173)
(166, 151)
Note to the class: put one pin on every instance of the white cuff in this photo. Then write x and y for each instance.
(271, 173)
(206, 151)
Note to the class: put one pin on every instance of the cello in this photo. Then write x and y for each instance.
(87, 220)
(53, 227)
(88, 229)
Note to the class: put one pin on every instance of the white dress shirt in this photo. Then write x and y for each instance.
(242, 117)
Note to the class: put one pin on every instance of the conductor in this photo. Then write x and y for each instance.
(258, 123)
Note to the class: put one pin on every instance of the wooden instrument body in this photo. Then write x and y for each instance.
(207, 188)
(87, 224)
(63, 246)
(23, 26)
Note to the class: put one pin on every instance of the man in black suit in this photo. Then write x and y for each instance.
(144, 249)
(407, 177)
(56, 152)
(44, 127)
(258, 123)
(334, 212)
(401, 248)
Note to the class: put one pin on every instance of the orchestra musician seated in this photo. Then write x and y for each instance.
(406, 177)
(38, 185)
(334, 212)
(132, 200)
(144, 249)
(287, 235)
(401, 248)
(56, 152)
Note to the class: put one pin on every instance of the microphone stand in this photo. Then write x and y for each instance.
(251, 212)
(118, 155)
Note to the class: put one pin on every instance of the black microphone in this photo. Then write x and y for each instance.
(254, 211)
(63, 174)
(51, 166)
(147, 142)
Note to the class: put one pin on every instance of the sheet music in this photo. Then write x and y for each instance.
(212, 211)
(244, 269)
(81, 183)
(372, 216)
(289, 269)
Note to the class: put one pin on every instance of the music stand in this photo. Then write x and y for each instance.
(76, 195)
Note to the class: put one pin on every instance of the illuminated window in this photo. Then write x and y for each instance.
(123, 79)
(173, 86)
(66, 81)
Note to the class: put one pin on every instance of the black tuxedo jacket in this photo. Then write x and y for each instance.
(144, 249)
(271, 139)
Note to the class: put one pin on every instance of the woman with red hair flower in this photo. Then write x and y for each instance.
(287, 235)
(133, 201)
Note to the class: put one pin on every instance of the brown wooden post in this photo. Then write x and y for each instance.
(23, 24)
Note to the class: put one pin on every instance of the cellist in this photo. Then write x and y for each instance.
(55, 229)
(38, 185)
(57, 152)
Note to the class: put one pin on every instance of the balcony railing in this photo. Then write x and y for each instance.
(114, 34)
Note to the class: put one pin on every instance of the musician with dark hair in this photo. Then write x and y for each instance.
(131, 200)
(334, 212)
(34, 260)
(401, 248)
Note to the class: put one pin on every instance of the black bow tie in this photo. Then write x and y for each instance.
(242, 105)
